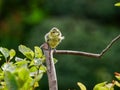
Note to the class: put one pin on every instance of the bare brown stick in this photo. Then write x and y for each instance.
(77, 53)
(52, 79)
(50, 64)
(86, 53)
(110, 44)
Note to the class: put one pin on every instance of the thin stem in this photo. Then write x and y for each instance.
(109, 45)
(93, 55)
(77, 53)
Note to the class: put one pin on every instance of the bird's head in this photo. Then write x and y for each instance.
(55, 32)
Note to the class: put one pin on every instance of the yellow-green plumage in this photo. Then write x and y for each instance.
(54, 37)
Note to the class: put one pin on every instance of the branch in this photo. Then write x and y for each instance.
(50, 64)
(89, 54)
(109, 45)
(52, 79)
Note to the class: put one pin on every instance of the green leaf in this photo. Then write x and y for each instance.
(10, 80)
(37, 61)
(24, 79)
(12, 53)
(36, 84)
(38, 52)
(8, 67)
(1, 78)
(23, 74)
(29, 55)
(104, 86)
(33, 69)
(28, 84)
(1, 75)
(31, 63)
(81, 86)
(100, 86)
(5, 52)
(117, 83)
(1, 71)
(43, 68)
(26, 51)
(22, 63)
(18, 59)
(38, 77)
(55, 60)
(117, 4)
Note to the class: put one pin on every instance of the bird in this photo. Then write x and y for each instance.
(54, 37)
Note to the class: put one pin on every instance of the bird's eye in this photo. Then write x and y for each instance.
(53, 32)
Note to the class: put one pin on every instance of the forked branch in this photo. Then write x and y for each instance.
(89, 54)
(50, 64)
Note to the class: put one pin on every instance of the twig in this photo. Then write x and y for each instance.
(86, 53)
(50, 64)
(109, 45)
(52, 79)
(77, 53)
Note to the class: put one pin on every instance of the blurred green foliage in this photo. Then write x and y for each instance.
(87, 26)
(21, 73)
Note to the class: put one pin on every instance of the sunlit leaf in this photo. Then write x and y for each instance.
(18, 59)
(29, 55)
(81, 86)
(38, 77)
(28, 84)
(1, 71)
(100, 86)
(43, 59)
(117, 4)
(23, 74)
(12, 53)
(55, 60)
(117, 83)
(43, 68)
(31, 63)
(11, 81)
(26, 51)
(36, 84)
(38, 52)
(5, 52)
(1, 75)
(33, 69)
(8, 67)
(110, 86)
(104, 86)
(22, 63)
(37, 61)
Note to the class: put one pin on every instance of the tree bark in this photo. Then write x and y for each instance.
(51, 72)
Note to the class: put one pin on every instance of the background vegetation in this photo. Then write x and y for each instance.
(87, 26)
